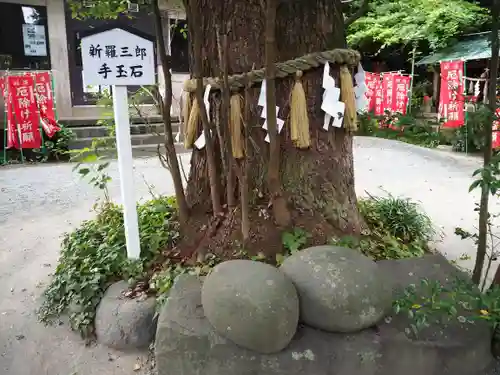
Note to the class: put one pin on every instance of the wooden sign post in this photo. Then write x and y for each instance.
(120, 58)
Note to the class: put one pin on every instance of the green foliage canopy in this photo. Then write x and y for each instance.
(428, 23)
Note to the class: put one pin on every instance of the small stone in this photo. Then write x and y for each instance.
(123, 323)
(137, 367)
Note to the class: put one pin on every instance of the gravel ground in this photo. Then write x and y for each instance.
(39, 203)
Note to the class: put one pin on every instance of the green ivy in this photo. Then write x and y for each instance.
(436, 303)
(94, 255)
(58, 146)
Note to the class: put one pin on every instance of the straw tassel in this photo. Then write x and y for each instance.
(347, 96)
(185, 108)
(299, 120)
(192, 125)
(235, 127)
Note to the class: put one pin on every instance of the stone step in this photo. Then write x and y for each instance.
(83, 132)
(140, 151)
(90, 121)
(137, 140)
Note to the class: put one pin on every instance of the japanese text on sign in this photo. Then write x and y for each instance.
(117, 57)
(388, 90)
(372, 81)
(25, 111)
(119, 70)
(379, 99)
(34, 40)
(401, 88)
(451, 101)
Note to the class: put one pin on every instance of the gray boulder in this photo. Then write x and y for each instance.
(122, 323)
(340, 290)
(187, 344)
(252, 304)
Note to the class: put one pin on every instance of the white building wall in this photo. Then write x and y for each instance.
(58, 45)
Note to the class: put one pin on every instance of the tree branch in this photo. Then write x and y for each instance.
(166, 106)
(358, 14)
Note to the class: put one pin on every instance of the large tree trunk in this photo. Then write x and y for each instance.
(317, 183)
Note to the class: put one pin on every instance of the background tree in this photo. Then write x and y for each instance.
(430, 24)
(488, 187)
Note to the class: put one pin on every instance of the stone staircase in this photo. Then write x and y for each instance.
(145, 137)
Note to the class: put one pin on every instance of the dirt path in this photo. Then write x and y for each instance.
(39, 203)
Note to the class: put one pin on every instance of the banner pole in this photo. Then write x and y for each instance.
(5, 117)
(5, 128)
(409, 107)
(19, 138)
(53, 89)
(40, 127)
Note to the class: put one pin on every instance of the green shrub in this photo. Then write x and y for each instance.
(400, 217)
(58, 146)
(367, 124)
(470, 137)
(396, 229)
(94, 255)
(405, 128)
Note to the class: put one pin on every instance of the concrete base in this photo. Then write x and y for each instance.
(186, 344)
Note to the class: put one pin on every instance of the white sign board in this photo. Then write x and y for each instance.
(117, 57)
(35, 43)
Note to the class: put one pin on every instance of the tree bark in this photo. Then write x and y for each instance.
(485, 192)
(318, 182)
(166, 102)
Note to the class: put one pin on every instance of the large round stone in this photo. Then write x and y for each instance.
(252, 304)
(340, 290)
(186, 343)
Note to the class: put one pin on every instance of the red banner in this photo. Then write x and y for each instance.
(45, 103)
(388, 90)
(372, 81)
(379, 99)
(496, 130)
(401, 89)
(25, 110)
(12, 140)
(451, 100)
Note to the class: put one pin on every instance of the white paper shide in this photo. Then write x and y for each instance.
(201, 141)
(262, 102)
(332, 106)
(360, 90)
